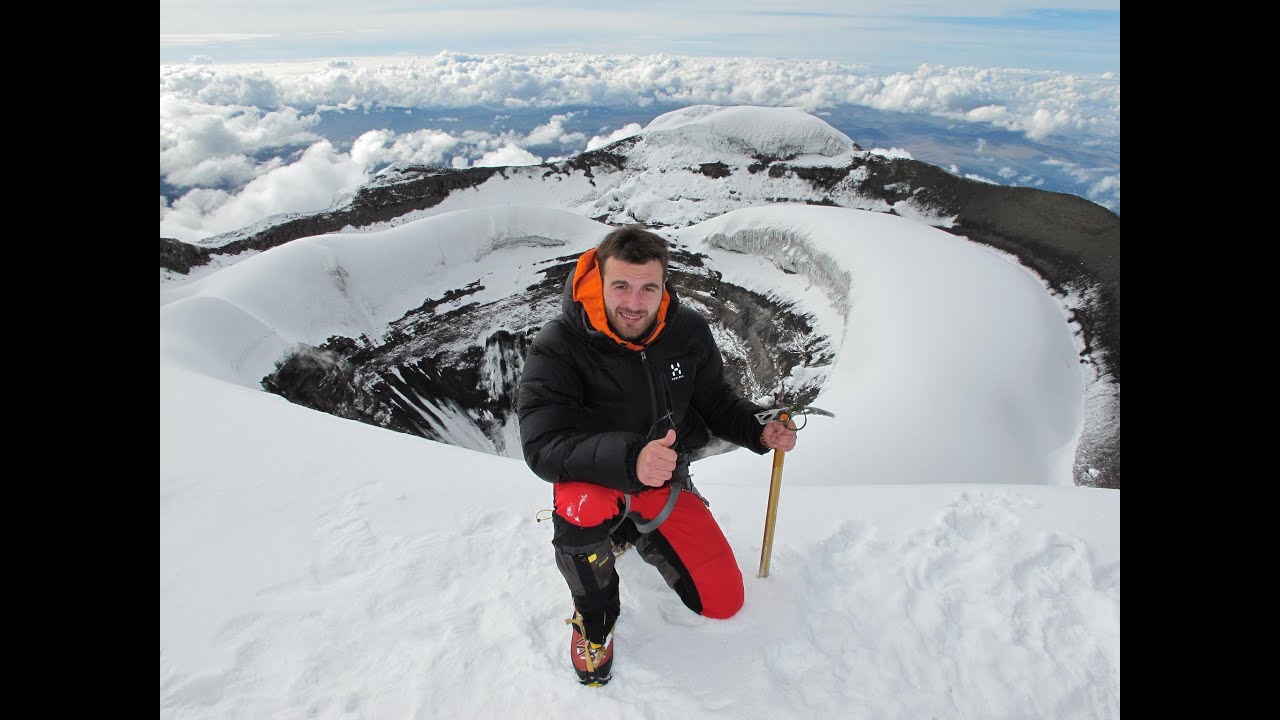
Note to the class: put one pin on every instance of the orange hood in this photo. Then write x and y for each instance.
(588, 289)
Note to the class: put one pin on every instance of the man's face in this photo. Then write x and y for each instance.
(632, 294)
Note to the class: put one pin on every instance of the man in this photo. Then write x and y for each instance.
(617, 392)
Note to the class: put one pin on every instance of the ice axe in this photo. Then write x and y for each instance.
(782, 415)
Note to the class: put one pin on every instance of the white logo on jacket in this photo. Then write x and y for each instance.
(676, 373)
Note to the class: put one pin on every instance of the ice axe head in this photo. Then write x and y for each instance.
(782, 414)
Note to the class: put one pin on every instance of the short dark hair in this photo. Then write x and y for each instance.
(635, 245)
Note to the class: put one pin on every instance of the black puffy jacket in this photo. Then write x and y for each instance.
(588, 404)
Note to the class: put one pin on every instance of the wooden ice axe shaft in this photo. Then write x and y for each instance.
(771, 514)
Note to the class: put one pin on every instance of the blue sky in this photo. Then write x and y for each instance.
(1077, 37)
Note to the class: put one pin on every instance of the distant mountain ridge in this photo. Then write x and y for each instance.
(684, 168)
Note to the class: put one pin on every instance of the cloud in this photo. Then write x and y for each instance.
(185, 39)
(230, 190)
(426, 147)
(896, 152)
(988, 114)
(205, 144)
(1080, 174)
(508, 154)
(552, 133)
(1106, 187)
(217, 85)
(625, 131)
(1101, 187)
(1038, 103)
(319, 177)
(225, 170)
(1049, 121)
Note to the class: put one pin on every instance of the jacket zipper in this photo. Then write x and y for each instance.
(653, 391)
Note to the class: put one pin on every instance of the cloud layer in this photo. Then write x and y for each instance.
(1038, 103)
(240, 142)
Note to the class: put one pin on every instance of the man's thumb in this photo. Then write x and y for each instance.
(669, 439)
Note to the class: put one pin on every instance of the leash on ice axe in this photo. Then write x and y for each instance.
(782, 415)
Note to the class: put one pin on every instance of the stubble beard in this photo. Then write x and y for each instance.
(618, 324)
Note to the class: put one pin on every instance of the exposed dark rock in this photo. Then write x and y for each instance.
(181, 257)
(321, 378)
(822, 178)
(610, 157)
(714, 170)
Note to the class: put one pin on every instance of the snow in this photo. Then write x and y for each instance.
(931, 557)
(354, 284)
(973, 376)
(778, 132)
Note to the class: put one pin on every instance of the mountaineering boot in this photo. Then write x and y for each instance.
(619, 548)
(592, 661)
(623, 538)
